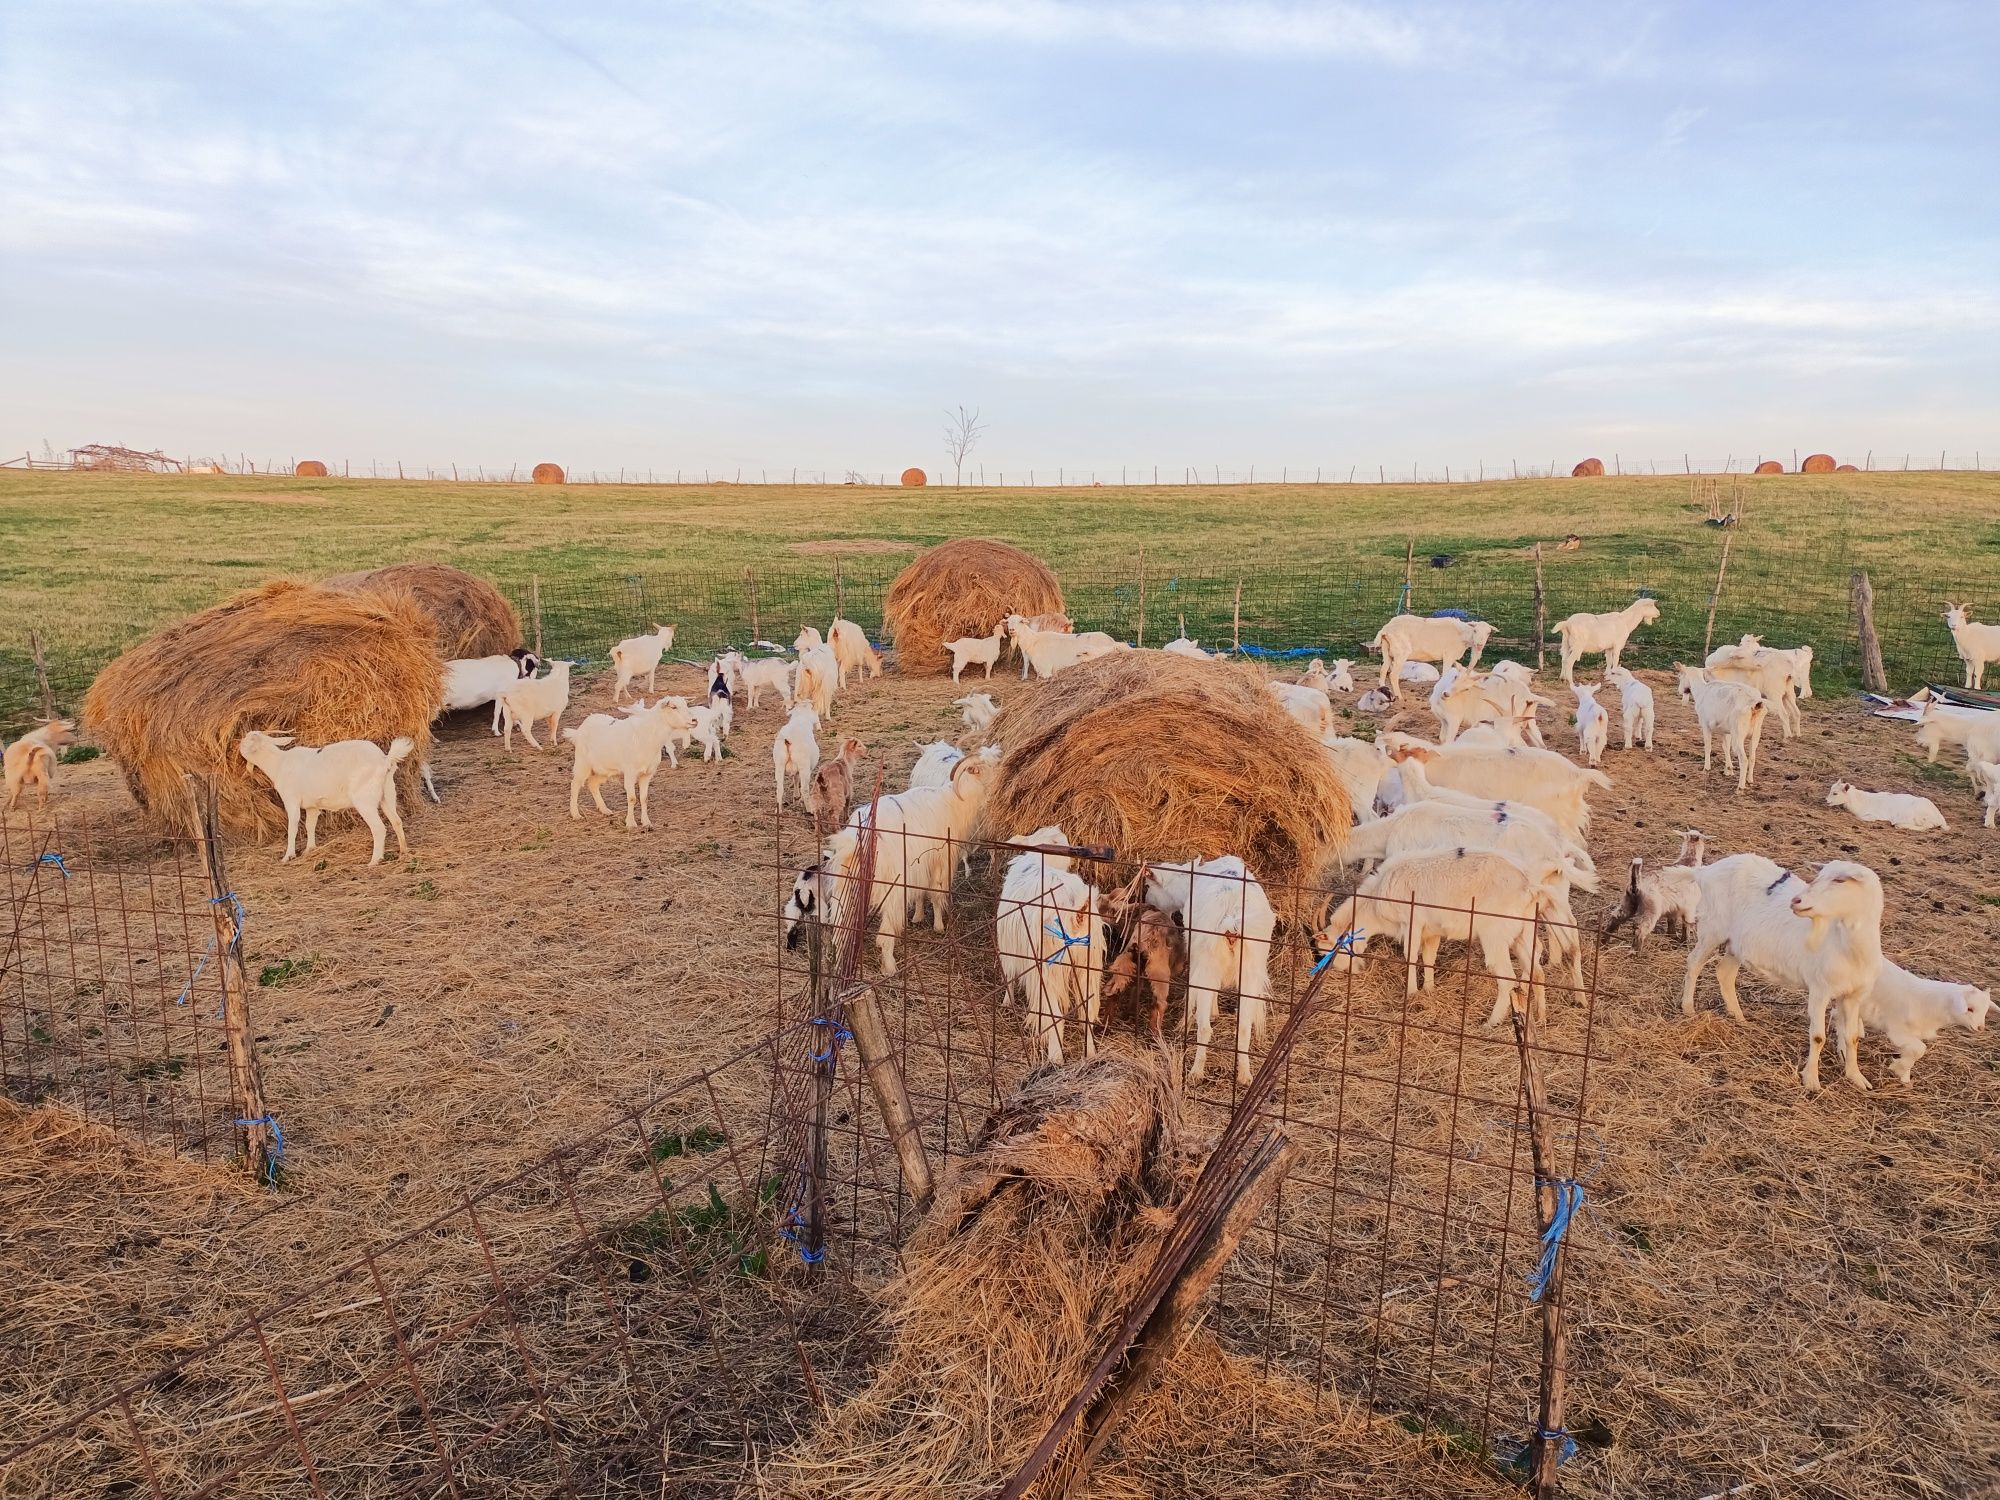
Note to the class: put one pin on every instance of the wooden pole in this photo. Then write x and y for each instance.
(892, 1095)
(1409, 571)
(1236, 620)
(1873, 675)
(1541, 616)
(839, 590)
(535, 605)
(1142, 596)
(42, 677)
(1545, 1452)
(756, 626)
(1708, 635)
(260, 1152)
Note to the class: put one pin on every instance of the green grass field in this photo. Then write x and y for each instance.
(94, 561)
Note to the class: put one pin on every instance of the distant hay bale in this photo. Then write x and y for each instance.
(1769, 466)
(469, 616)
(547, 474)
(1590, 468)
(1818, 463)
(914, 478)
(310, 468)
(958, 589)
(1168, 757)
(1846, 469)
(288, 657)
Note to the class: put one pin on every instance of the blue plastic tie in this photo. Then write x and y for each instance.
(195, 978)
(236, 914)
(1451, 614)
(1055, 929)
(1569, 1198)
(812, 1257)
(277, 1141)
(1344, 945)
(52, 859)
(840, 1034)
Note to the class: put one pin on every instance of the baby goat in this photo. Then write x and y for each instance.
(31, 760)
(833, 785)
(348, 774)
(1662, 897)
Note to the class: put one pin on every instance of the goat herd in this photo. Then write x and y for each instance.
(1478, 836)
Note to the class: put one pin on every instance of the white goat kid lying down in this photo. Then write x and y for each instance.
(1824, 937)
(531, 700)
(1049, 937)
(1229, 925)
(1308, 705)
(641, 653)
(1733, 710)
(1978, 645)
(919, 832)
(1418, 900)
(1339, 678)
(1425, 638)
(346, 775)
(627, 746)
(1583, 634)
(1182, 646)
(1910, 813)
(1635, 703)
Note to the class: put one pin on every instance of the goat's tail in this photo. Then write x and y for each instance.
(400, 748)
(1628, 909)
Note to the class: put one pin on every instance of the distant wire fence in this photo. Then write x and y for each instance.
(1793, 588)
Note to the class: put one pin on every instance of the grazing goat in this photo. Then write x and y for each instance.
(1374, 701)
(976, 651)
(1635, 702)
(978, 710)
(1824, 937)
(1664, 897)
(1735, 710)
(852, 650)
(31, 760)
(1049, 937)
(1593, 724)
(1229, 925)
(832, 786)
(1909, 813)
(760, 675)
(796, 749)
(531, 700)
(1978, 645)
(1409, 639)
(1417, 900)
(1583, 634)
(348, 774)
(1360, 767)
(1148, 941)
(473, 681)
(1911, 1011)
(641, 653)
(627, 747)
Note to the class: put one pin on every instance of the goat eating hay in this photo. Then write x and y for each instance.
(958, 590)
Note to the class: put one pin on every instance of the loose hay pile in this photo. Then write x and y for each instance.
(469, 615)
(1818, 463)
(287, 657)
(959, 589)
(1590, 468)
(1167, 757)
(1034, 1247)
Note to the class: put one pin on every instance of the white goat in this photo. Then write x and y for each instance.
(1910, 813)
(818, 676)
(1735, 710)
(1771, 673)
(627, 747)
(796, 749)
(1911, 1011)
(473, 681)
(978, 710)
(976, 651)
(641, 653)
(760, 675)
(1540, 778)
(1426, 638)
(348, 774)
(1308, 705)
(1635, 702)
(1987, 774)
(1824, 937)
(852, 650)
(1360, 767)
(1593, 724)
(807, 638)
(1051, 651)
(531, 700)
(31, 760)
(1463, 699)
(1341, 678)
(1584, 633)
(1667, 896)
(1976, 731)
(1978, 645)
(1229, 925)
(1049, 936)
(1182, 646)
(1059, 623)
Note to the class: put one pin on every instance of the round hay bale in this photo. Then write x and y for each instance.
(914, 478)
(1818, 463)
(469, 616)
(547, 474)
(1168, 757)
(1769, 466)
(1590, 468)
(288, 657)
(1846, 469)
(958, 589)
(310, 468)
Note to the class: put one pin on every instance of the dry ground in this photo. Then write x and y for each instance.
(1765, 1281)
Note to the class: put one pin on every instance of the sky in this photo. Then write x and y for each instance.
(764, 234)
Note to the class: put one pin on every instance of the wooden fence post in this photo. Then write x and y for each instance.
(1236, 619)
(1409, 572)
(892, 1095)
(1541, 616)
(42, 677)
(1873, 676)
(1722, 569)
(260, 1149)
(1142, 596)
(535, 605)
(1545, 1447)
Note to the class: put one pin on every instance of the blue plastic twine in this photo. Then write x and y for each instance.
(1345, 945)
(1055, 929)
(840, 1034)
(277, 1142)
(1569, 1198)
(51, 859)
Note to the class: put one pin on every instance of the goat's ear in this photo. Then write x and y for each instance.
(282, 740)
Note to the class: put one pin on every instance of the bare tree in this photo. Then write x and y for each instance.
(962, 431)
